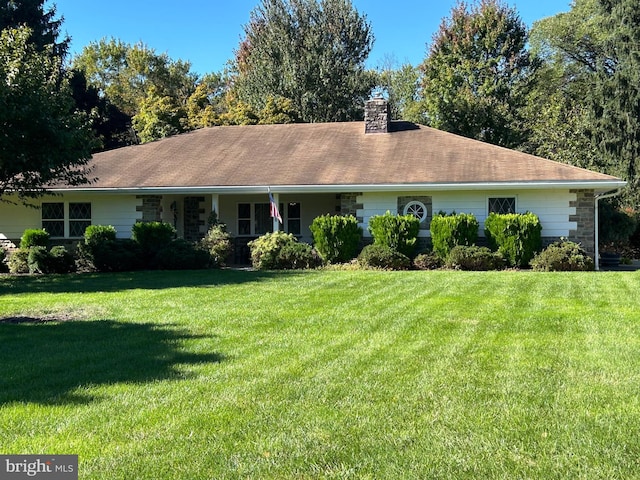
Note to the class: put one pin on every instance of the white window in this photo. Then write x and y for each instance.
(502, 205)
(417, 209)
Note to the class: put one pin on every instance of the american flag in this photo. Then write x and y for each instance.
(275, 213)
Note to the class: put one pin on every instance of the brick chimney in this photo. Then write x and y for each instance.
(376, 116)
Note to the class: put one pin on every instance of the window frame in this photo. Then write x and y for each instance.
(416, 203)
(66, 219)
(252, 220)
(496, 197)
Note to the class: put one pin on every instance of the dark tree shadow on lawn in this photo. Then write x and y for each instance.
(46, 361)
(115, 282)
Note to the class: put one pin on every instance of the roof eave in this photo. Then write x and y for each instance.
(597, 185)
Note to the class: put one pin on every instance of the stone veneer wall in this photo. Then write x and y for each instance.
(349, 205)
(151, 208)
(193, 218)
(585, 219)
(376, 116)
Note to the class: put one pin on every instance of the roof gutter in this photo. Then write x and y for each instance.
(596, 185)
(602, 196)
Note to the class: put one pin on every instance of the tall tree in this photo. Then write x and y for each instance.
(402, 86)
(309, 51)
(44, 140)
(477, 73)
(615, 95)
(150, 88)
(45, 27)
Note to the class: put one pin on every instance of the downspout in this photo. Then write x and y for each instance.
(597, 248)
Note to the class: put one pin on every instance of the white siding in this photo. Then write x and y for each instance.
(119, 211)
(551, 206)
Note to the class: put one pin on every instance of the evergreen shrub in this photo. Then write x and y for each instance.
(516, 236)
(265, 249)
(449, 231)
(36, 237)
(152, 237)
(336, 237)
(3, 260)
(180, 254)
(18, 261)
(563, 256)
(428, 261)
(397, 232)
(463, 257)
(383, 257)
(217, 242)
(295, 256)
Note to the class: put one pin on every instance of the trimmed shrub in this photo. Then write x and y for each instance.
(449, 231)
(96, 235)
(563, 256)
(336, 237)
(463, 257)
(152, 237)
(57, 260)
(180, 254)
(516, 236)
(428, 261)
(18, 261)
(397, 232)
(217, 242)
(62, 261)
(297, 256)
(34, 238)
(265, 249)
(381, 256)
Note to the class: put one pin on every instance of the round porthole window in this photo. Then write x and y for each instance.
(417, 209)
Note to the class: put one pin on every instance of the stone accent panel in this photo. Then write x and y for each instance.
(151, 208)
(426, 201)
(349, 205)
(585, 219)
(194, 221)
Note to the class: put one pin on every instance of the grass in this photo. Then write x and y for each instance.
(230, 374)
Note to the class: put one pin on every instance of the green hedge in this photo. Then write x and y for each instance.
(336, 237)
(397, 232)
(449, 231)
(517, 236)
(34, 238)
(563, 256)
(381, 256)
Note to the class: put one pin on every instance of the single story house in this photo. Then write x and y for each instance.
(359, 168)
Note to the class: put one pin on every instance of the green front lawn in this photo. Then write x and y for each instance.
(335, 374)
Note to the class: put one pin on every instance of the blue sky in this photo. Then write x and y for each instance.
(206, 32)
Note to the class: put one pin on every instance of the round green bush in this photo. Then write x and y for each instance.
(181, 254)
(428, 261)
(336, 237)
(95, 235)
(297, 256)
(379, 256)
(18, 261)
(265, 249)
(34, 238)
(474, 258)
(563, 256)
(218, 243)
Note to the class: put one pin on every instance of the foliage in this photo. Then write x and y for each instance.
(428, 261)
(95, 235)
(44, 141)
(312, 52)
(34, 237)
(3, 259)
(19, 261)
(615, 94)
(265, 249)
(159, 116)
(398, 232)
(383, 257)
(217, 242)
(57, 260)
(402, 87)
(448, 231)
(463, 257)
(152, 237)
(336, 237)
(476, 74)
(180, 254)
(44, 26)
(562, 256)
(296, 256)
(614, 224)
(516, 236)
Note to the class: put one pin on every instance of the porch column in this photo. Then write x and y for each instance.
(215, 204)
(276, 222)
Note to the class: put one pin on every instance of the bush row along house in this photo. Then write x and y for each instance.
(352, 168)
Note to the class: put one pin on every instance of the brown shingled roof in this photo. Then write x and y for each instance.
(323, 154)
